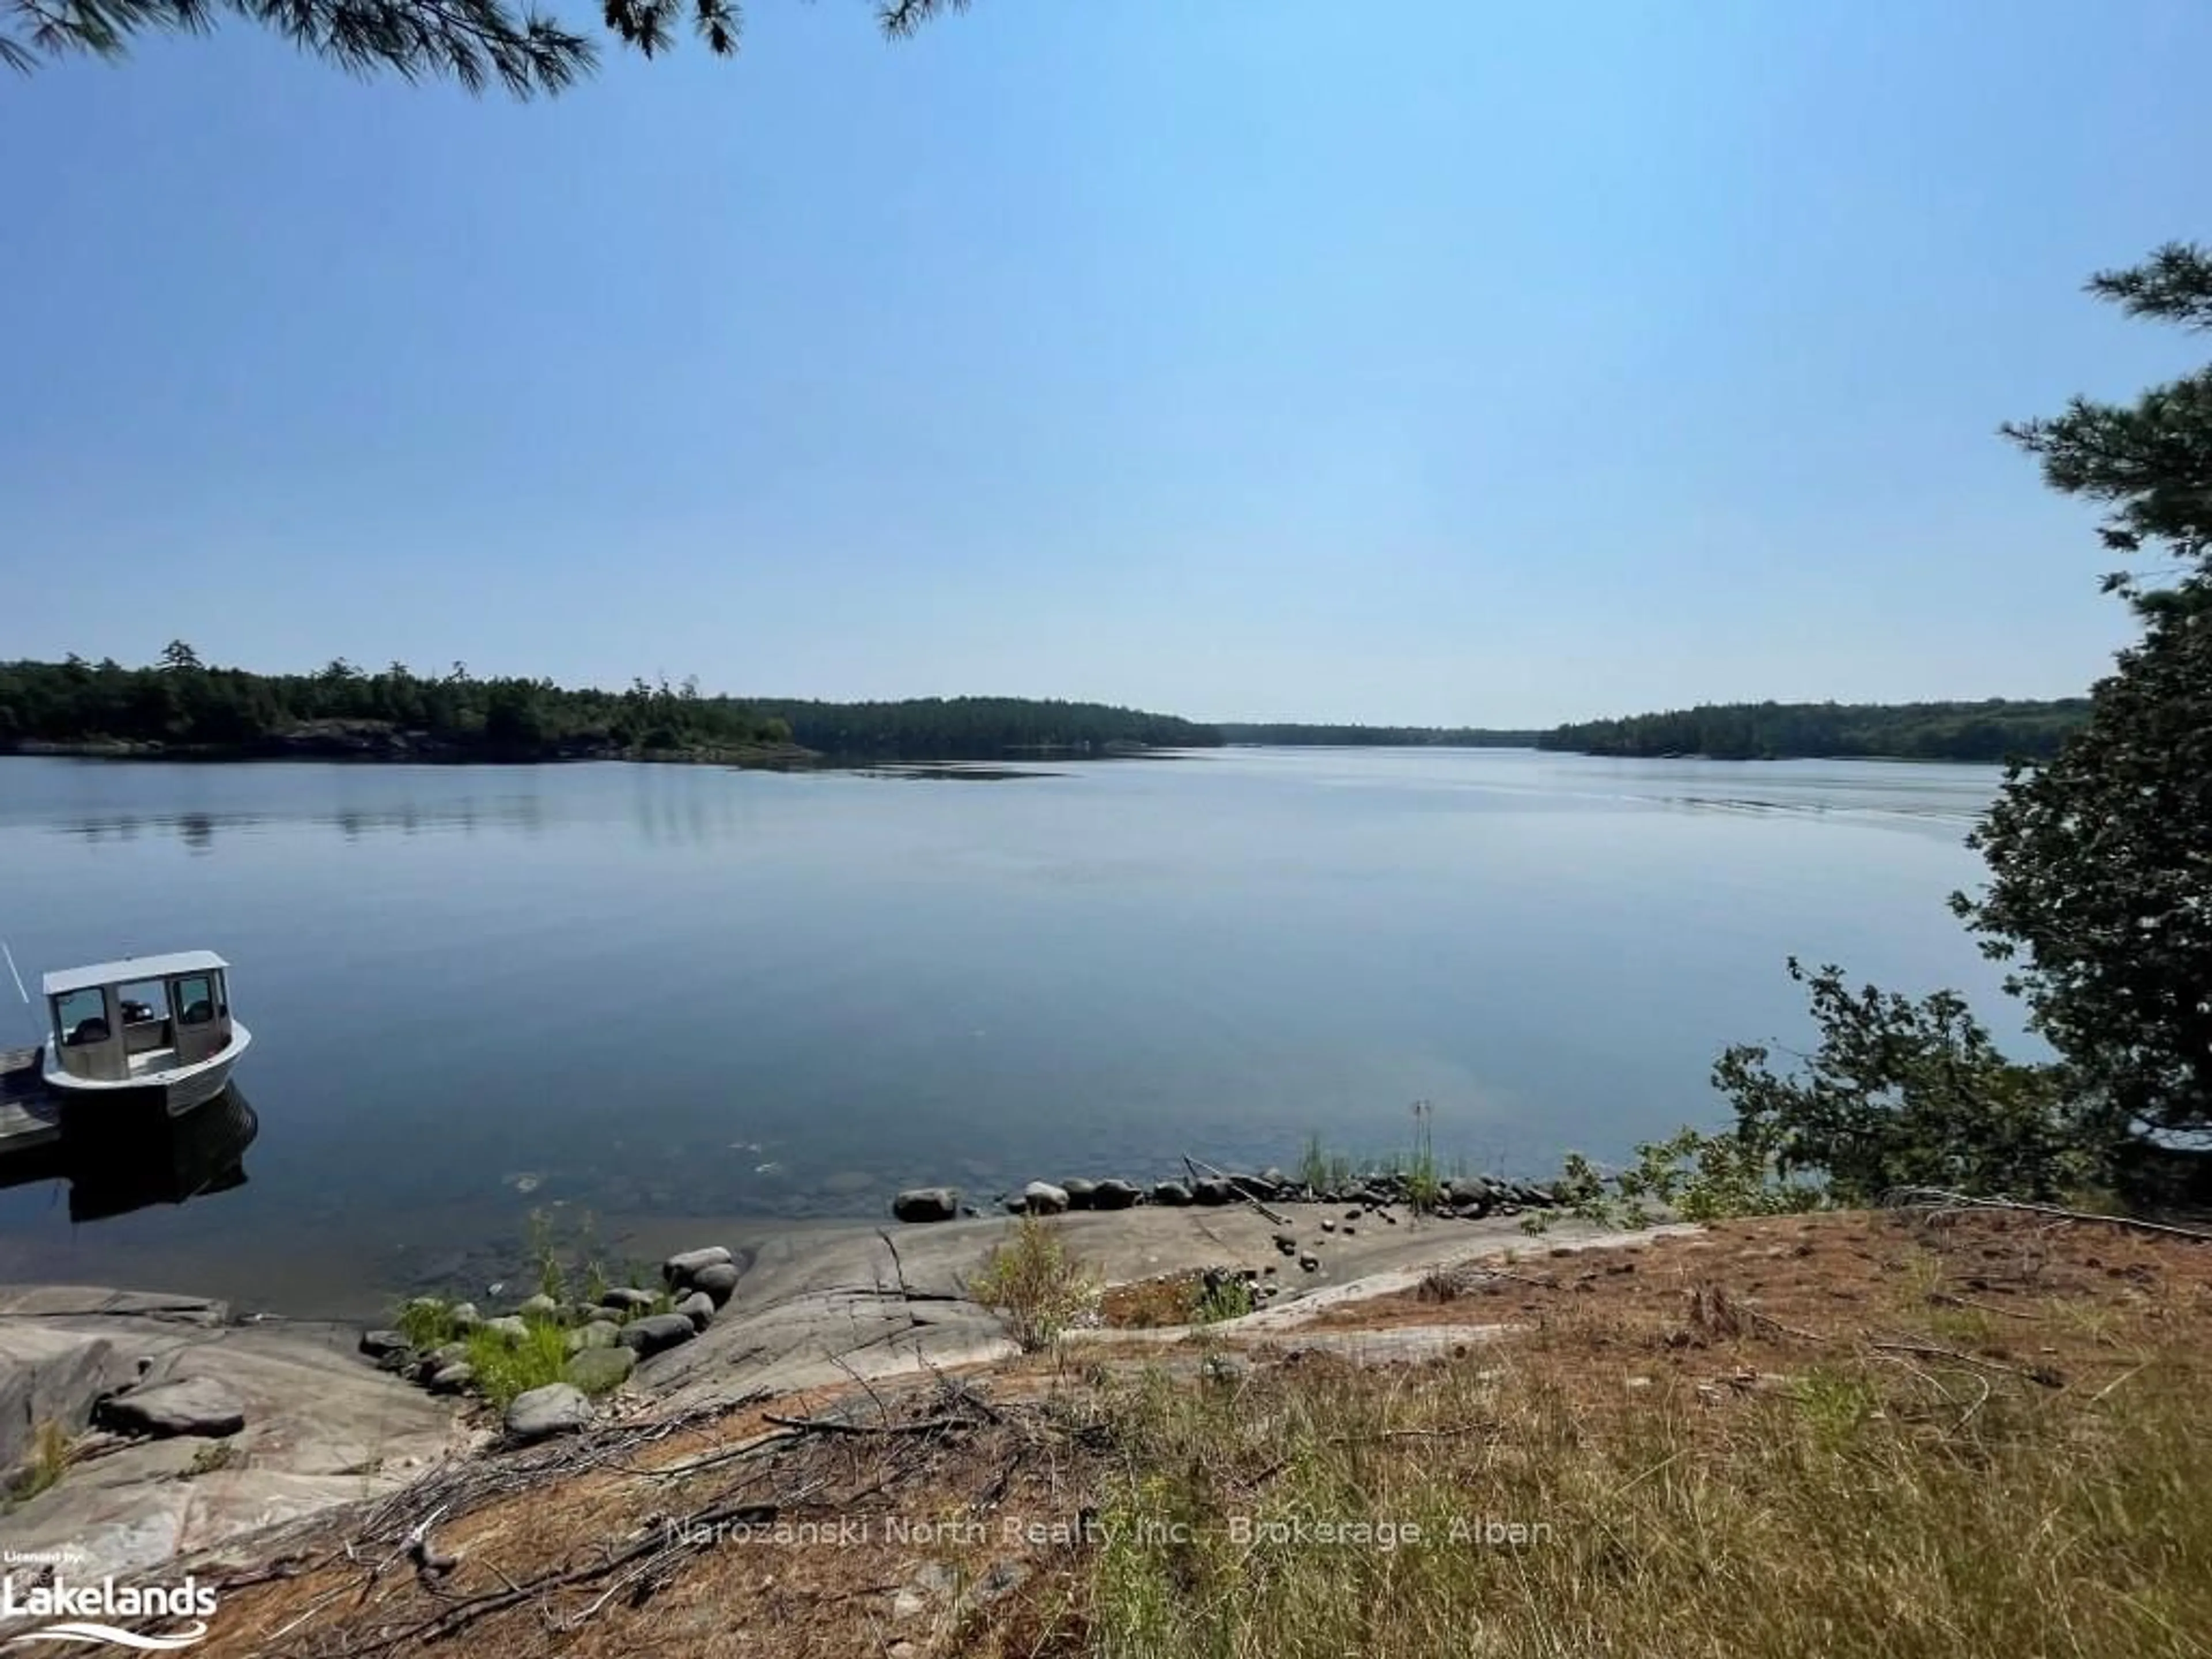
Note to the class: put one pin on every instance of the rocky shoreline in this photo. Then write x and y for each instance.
(1466, 1198)
(150, 1428)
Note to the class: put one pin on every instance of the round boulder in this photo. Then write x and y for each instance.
(1079, 1192)
(599, 1334)
(1043, 1197)
(539, 1413)
(1173, 1194)
(683, 1267)
(656, 1333)
(1114, 1196)
(597, 1370)
(718, 1281)
(699, 1309)
(926, 1203)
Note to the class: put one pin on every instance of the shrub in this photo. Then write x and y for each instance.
(1899, 1093)
(505, 1369)
(1034, 1286)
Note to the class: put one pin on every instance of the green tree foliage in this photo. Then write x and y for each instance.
(981, 728)
(1292, 734)
(471, 42)
(2101, 859)
(1991, 731)
(183, 704)
(1901, 1093)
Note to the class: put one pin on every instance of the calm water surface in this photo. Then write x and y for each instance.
(650, 993)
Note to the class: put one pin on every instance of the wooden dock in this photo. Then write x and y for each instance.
(29, 1114)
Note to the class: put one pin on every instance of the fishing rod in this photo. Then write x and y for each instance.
(20, 991)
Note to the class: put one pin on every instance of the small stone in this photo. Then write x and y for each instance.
(1214, 1190)
(1309, 1261)
(540, 1306)
(624, 1295)
(682, 1267)
(1114, 1196)
(926, 1203)
(1043, 1197)
(464, 1316)
(400, 1361)
(1079, 1193)
(597, 1370)
(719, 1281)
(699, 1309)
(1349, 1230)
(1172, 1193)
(1329, 1223)
(377, 1344)
(1639, 1382)
(452, 1379)
(194, 1406)
(539, 1413)
(508, 1328)
(656, 1331)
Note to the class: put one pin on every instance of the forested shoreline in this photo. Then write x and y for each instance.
(1994, 730)
(181, 706)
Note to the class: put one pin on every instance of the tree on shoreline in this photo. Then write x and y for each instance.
(471, 42)
(2101, 859)
(2101, 874)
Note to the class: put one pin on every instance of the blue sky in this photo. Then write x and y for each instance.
(1430, 362)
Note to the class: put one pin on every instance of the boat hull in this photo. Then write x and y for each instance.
(90, 1107)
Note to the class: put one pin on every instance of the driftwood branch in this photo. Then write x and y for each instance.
(1936, 1198)
(832, 1426)
(1236, 1186)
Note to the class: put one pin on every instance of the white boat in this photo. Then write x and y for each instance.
(146, 1031)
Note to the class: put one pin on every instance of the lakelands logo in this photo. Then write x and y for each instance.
(84, 1611)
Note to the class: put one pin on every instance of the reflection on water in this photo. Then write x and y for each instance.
(663, 992)
(198, 831)
(192, 1155)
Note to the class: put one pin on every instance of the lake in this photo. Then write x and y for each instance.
(655, 993)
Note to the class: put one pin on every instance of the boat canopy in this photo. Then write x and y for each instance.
(130, 971)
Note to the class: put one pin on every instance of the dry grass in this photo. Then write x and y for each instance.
(1840, 1436)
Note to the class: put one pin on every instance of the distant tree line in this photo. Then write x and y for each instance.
(980, 728)
(1298, 734)
(183, 704)
(1992, 730)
